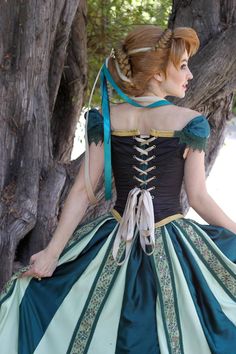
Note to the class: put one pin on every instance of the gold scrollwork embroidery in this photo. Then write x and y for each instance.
(100, 291)
(217, 266)
(167, 293)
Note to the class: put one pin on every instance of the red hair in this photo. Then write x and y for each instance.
(140, 67)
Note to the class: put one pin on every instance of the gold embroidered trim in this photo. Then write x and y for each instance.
(162, 133)
(82, 230)
(100, 292)
(162, 222)
(153, 132)
(168, 304)
(11, 282)
(217, 267)
(125, 132)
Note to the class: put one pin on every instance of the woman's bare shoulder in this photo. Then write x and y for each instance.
(185, 114)
(117, 108)
(169, 117)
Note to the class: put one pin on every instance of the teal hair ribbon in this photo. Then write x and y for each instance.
(106, 76)
(107, 136)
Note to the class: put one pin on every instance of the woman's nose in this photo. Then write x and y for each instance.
(190, 75)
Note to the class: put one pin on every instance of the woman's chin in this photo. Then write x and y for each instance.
(177, 93)
(181, 95)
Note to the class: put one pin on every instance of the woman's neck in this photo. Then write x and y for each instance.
(148, 98)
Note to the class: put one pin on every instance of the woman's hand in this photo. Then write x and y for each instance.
(42, 264)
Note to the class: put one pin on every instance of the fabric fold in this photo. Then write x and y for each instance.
(138, 212)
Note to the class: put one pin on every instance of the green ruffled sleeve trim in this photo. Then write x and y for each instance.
(195, 134)
(195, 142)
(94, 126)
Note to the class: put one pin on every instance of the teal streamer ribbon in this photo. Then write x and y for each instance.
(107, 136)
(105, 77)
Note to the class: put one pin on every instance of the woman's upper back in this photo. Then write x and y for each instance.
(171, 117)
(170, 121)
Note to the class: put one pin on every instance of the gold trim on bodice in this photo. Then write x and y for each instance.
(138, 215)
(153, 132)
(160, 223)
(162, 133)
(125, 132)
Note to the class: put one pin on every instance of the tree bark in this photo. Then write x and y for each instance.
(213, 67)
(43, 76)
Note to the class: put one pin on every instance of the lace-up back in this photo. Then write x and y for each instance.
(144, 162)
(152, 162)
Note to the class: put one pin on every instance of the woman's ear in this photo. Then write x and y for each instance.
(159, 77)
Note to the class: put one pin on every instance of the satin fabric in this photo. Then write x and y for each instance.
(181, 299)
(168, 174)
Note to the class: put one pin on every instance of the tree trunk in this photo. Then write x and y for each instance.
(42, 81)
(213, 67)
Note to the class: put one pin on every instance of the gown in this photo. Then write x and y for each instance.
(140, 279)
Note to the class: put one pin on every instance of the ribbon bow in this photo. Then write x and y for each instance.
(138, 212)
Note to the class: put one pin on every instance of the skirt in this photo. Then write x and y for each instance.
(181, 299)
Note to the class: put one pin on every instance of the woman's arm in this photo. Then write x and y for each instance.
(77, 201)
(76, 204)
(199, 199)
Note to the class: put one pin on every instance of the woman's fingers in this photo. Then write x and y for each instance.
(28, 273)
(32, 272)
(33, 258)
(41, 265)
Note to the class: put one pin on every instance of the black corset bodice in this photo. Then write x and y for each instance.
(152, 163)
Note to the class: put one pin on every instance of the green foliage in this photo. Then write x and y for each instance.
(234, 104)
(110, 20)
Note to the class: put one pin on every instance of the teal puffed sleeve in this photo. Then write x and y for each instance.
(94, 126)
(195, 134)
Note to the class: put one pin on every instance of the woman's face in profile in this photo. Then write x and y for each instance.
(176, 81)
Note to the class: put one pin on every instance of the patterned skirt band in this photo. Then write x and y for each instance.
(138, 218)
(181, 299)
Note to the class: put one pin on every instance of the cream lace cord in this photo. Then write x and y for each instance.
(140, 213)
(92, 197)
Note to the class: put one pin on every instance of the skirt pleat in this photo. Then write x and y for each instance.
(179, 300)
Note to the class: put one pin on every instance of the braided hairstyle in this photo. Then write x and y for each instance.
(123, 61)
(165, 39)
(157, 48)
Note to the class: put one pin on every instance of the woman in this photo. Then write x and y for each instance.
(141, 278)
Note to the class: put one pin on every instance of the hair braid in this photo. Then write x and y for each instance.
(123, 62)
(165, 39)
(146, 50)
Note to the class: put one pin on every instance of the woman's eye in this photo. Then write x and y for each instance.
(183, 66)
